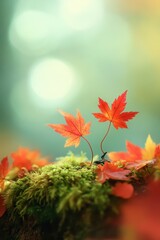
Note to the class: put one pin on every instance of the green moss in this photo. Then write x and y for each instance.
(59, 195)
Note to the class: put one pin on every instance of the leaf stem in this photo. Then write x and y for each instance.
(101, 145)
(90, 150)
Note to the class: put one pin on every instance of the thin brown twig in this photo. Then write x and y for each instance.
(101, 145)
(90, 149)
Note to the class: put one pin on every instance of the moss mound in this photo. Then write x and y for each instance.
(59, 201)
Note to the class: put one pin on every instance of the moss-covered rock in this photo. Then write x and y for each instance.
(62, 200)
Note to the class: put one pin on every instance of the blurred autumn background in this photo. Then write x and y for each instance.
(64, 54)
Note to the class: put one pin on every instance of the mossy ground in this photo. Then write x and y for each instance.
(62, 200)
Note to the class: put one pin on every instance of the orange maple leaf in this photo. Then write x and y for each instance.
(25, 158)
(115, 113)
(4, 169)
(111, 171)
(135, 156)
(133, 152)
(74, 129)
(123, 190)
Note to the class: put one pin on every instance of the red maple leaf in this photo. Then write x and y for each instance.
(74, 129)
(111, 171)
(4, 169)
(25, 158)
(115, 113)
(123, 190)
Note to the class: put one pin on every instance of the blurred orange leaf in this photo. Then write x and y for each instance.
(25, 158)
(123, 190)
(115, 113)
(74, 129)
(141, 215)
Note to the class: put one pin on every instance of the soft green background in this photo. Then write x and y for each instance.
(111, 46)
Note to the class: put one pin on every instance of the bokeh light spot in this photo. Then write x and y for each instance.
(30, 30)
(52, 79)
(82, 14)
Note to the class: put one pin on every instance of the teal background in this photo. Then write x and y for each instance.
(111, 46)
